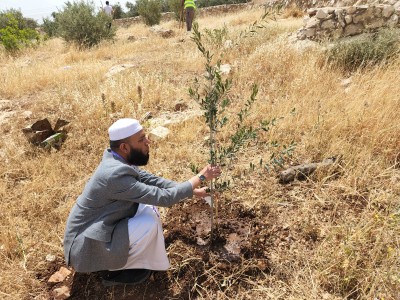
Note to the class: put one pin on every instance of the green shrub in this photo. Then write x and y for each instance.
(50, 27)
(150, 11)
(365, 50)
(175, 6)
(132, 10)
(13, 38)
(23, 23)
(79, 24)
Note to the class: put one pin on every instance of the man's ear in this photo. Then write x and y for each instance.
(124, 148)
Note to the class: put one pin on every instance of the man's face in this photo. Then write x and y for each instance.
(138, 154)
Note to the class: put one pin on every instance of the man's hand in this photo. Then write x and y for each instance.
(201, 192)
(211, 172)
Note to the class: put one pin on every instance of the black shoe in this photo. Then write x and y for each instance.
(126, 277)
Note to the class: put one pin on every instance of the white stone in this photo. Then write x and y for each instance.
(117, 69)
(27, 114)
(322, 14)
(313, 22)
(387, 11)
(346, 82)
(159, 133)
(225, 69)
(228, 44)
(50, 257)
(348, 19)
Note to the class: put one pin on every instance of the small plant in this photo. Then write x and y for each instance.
(80, 24)
(365, 51)
(150, 11)
(214, 99)
(217, 36)
(14, 38)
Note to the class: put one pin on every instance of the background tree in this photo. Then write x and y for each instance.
(50, 25)
(80, 24)
(118, 11)
(132, 10)
(150, 10)
(15, 32)
(22, 22)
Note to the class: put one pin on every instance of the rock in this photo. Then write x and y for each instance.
(387, 11)
(310, 32)
(301, 172)
(346, 82)
(61, 293)
(353, 29)
(27, 114)
(50, 257)
(313, 22)
(118, 69)
(348, 19)
(180, 106)
(132, 38)
(169, 118)
(225, 69)
(59, 276)
(228, 44)
(351, 10)
(328, 24)
(322, 14)
(159, 133)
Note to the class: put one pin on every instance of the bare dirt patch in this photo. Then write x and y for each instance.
(238, 252)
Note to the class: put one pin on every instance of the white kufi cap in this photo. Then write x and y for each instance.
(123, 128)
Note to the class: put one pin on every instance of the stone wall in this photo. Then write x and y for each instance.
(206, 11)
(305, 4)
(336, 22)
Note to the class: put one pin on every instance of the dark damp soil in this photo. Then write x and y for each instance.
(202, 264)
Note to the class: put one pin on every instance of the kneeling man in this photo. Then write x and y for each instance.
(114, 224)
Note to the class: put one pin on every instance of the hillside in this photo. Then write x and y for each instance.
(334, 235)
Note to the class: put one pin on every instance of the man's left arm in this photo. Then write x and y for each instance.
(150, 179)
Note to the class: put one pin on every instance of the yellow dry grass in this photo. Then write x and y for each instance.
(356, 215)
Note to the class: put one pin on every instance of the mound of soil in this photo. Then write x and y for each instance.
(201, 261)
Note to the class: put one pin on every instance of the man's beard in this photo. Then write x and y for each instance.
(137, 158)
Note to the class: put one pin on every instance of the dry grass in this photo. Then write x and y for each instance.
(355, 216)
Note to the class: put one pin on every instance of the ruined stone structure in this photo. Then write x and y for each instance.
(305, 4)
(336, 22)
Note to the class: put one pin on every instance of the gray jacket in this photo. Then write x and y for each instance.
(96, 235)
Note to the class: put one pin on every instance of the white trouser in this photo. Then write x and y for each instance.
(146, 240)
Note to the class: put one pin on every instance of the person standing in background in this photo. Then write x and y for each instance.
(109, 11)
(189, 7)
